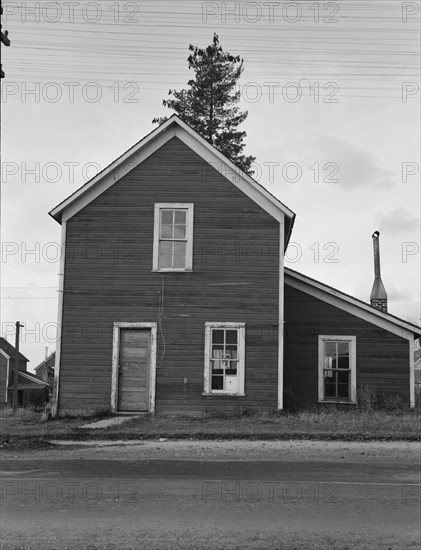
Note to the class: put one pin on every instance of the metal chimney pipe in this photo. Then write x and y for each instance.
(376, 251)
(378, 297)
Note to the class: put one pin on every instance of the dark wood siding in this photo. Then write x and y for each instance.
(108, 278)
(382, 357)
(3, 378)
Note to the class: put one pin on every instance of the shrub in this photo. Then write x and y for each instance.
(367, 398)
(393, 404)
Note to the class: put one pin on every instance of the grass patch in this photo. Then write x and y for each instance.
(24, 430)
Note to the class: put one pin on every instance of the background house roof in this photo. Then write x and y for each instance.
(29, 376)
(45, 361)
(10, 350)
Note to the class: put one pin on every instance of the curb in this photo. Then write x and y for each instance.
(12, 442)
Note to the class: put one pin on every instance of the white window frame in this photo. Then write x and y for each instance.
(352, 341)
(189, 235)
(241, 327)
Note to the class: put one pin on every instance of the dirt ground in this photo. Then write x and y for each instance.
(213, 495)
(364, 452)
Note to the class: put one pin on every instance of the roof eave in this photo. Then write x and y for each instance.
(57, 212)
(363, 306)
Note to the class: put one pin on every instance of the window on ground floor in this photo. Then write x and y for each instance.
(337, 368)
(224, 358)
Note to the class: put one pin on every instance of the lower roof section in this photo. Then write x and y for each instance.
(352, 305)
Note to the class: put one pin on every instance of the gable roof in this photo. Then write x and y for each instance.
(10, 350)
(45, 361)
(173, 127)
(32, 378)
(350, 304)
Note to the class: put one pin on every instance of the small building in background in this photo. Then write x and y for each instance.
(45, 370)
(32, 390)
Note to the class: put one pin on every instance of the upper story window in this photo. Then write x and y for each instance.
(337, 368)
(173, 237)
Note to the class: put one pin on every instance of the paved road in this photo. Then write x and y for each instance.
(83, 502)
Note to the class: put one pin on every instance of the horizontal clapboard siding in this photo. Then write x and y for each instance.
(108, 278)
(3, 377)
(382, 357)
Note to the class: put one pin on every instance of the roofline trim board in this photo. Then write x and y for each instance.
(146, 147)
(350, 305)
(32, 378)
(108, 178)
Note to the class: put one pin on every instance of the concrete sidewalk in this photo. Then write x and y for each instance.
(107, 422)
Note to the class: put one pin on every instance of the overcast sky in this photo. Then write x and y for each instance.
(332, 91)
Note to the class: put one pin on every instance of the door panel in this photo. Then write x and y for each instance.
(134, 367)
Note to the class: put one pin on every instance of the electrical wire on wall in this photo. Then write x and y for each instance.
(160, 311)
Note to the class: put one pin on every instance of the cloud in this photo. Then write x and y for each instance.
(398, 221)
(357, 168)
(397, 295)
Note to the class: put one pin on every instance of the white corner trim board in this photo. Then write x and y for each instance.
(57, 364)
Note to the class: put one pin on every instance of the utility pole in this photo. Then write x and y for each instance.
(16, 366)
(4, 40)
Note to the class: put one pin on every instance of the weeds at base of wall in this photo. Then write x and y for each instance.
(369, 399)
(31, 413)
(90, 415)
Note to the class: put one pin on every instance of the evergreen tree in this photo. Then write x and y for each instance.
(209, 105)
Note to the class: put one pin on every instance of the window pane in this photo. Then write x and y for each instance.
(165, 247)
(165, 261)
(232, 368)
(179, 261)
(166, 231)
(180, 249)
(231, 337)
(166, 217)
(218, 336)
(217, 367)
(343, 391)
(179, 232)
(231, 352)
(330, 388)
(343, 377)
(343, 355)
(180, 217)
(217, 382)
(330, 349)
(234, 354)
(217, 352)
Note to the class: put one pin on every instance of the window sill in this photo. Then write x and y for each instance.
(171, 270)
(223, 394)
(337, 401)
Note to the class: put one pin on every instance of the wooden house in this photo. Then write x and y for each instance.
(173, 289)
(45, 370)
(31, 389)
